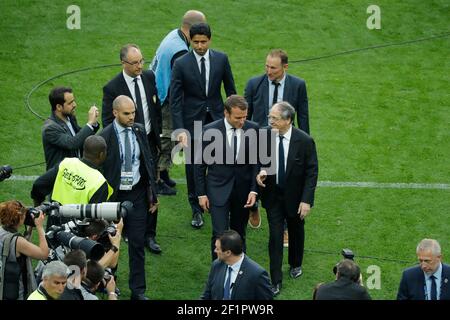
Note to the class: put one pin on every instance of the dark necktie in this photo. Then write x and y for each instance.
(203, 72)
(227, 287)
(275, 92)
(139, 112)
(127, 156)
(433, 288)
(281, 169)
(234, 136)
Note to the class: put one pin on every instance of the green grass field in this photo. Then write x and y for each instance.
(379, 115)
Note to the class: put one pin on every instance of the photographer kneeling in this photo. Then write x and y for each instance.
(347, 285)
(94, 276)
(17, 273)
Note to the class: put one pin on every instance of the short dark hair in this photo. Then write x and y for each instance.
(231, 240)
(235, 101)
(95, 227)
(348, 269)
(125, 48)
(75, 258)
(281, 54)
(56, 96)
(95, 273)
(201, 29)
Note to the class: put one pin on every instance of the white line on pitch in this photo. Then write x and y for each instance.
(329, 184)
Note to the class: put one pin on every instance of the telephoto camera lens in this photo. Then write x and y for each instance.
(109, 211)
(93, 249)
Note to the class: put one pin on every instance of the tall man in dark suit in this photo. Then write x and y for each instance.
(347, 285)
(140, 86)
(174, 45)
(61, 135)
(287, 190)
(225, 178)
(195, 96)
(430, 279)
(130, 169)
(234, 276)
(276, 85)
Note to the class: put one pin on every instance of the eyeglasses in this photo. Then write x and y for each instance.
(137, 63)
(274, 119)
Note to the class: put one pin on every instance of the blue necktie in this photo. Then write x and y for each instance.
(433, 288)
(281, 169)
(227, 287)
(127, 156)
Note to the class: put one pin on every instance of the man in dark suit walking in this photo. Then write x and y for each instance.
(195, 96)
(276, 85)
(234, 276)
(430, 279)
(287, 189)
(62, 137)
(225, 179)
(347, 285)
(130, 169)
(140, 86)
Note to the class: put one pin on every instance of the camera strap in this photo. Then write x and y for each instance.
(5, 254)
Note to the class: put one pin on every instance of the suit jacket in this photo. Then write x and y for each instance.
(412, 284)
(118, 86)
(112, 164)
(252, 282)
(257, 96)
(217, 180)
(342, 289)
(188, 100)
(58, 141)
(301, 174)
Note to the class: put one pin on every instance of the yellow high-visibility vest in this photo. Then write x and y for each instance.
(77, 182)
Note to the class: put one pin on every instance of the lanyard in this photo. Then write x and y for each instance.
(122, 148)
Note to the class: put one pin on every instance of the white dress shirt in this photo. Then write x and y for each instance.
(130, 83)
(286, 142)
(207, 66)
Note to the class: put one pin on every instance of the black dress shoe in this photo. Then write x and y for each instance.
(153, 246)
(165, 177)
(139, 297)
(276, 289)
(197, 220)
(163, 189)
(295, 272)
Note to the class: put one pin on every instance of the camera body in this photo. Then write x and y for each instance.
(347, 254)
(49, 208)
(5, 172)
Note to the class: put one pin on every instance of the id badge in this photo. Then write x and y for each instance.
(126, 181)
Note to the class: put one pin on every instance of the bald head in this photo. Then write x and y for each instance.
(124, 110)
(192, 17)
(94, 149)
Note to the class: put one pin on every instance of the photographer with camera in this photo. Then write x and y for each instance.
(109, 236)
(95, 276)
(347, 285)
(76, 260)
(16, 273)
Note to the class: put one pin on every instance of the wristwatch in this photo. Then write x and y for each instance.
(114, 248)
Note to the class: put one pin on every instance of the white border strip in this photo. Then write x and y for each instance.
(329, 184)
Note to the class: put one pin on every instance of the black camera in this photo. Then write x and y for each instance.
(59, 235)
(33, 213)
(347, 254)
(5, 172)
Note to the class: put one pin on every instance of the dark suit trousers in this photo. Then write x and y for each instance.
(135, 227)
(276, 217)
(232, 215)
(152, 219)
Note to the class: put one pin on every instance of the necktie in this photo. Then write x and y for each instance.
(281, 169)
(203, 72)
(227, 287)
(275, 92)
(127, 151)
(433, 288)
(234, 136)
(139, 111)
